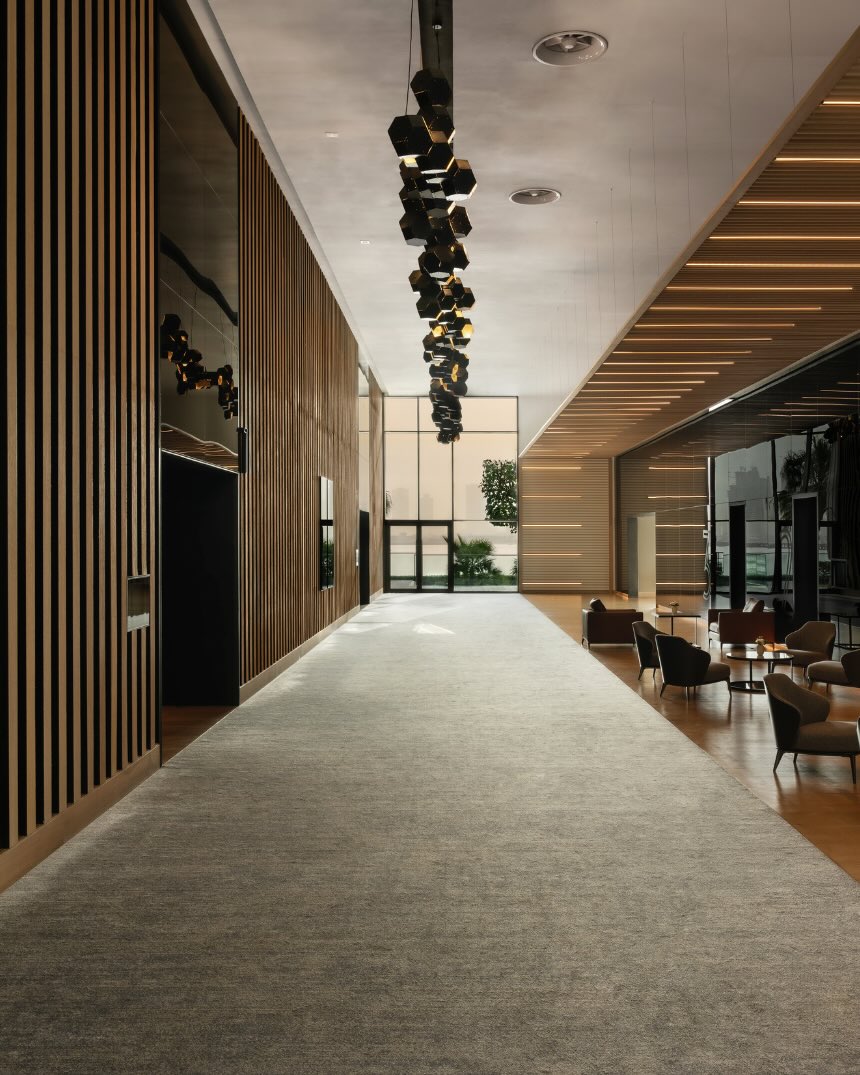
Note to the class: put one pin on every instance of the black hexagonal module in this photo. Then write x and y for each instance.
(439, 122)
(410, 137)
(431, 88)
(436, 159)
(458, 218)
(417, 229)
(441, 261)
(458, 183)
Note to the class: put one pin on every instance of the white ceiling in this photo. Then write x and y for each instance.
(553, 283)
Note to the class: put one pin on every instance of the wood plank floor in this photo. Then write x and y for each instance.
(181, 725)
(817, 798)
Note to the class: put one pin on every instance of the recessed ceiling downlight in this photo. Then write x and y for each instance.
(535, 196)
(569, 47)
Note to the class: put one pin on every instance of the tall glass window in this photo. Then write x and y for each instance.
(471, 484)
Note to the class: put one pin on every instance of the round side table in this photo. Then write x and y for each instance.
(751, 655)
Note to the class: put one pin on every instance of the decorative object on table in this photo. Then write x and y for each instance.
(674, 605)
(191, 374)
(759, 645)
(800, 724)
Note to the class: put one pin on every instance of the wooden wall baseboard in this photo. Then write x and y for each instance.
(36, 847)
(249, 689)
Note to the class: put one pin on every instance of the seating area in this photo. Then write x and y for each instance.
(736, 726)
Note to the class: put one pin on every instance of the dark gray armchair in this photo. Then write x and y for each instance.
(644, 635)
(844, 673)
(800, 724)
(684, 665)
(811, 643)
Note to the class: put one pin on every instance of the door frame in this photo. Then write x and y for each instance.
(419, 524)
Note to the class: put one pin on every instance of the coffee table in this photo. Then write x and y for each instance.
(750, 654)
(672, 616)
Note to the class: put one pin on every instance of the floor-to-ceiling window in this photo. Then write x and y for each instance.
(451, 509)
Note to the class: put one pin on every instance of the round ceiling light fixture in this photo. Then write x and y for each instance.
(535, 196)
(569, 47)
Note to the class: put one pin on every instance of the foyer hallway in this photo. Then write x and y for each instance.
(448, 840)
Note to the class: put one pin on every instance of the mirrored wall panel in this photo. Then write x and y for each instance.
(198, 265)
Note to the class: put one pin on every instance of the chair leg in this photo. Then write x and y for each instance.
(779, 755)
(641, 670)
(654, 675)
(662, 689)
(795, 761)
(687, 693)
(853, 760)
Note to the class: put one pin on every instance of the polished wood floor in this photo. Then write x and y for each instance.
(181, 725)
(817, 798)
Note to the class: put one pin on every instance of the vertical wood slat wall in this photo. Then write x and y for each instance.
(377, 493)
(678, 493)
(297, 399)
(565, 543)
(79, 478)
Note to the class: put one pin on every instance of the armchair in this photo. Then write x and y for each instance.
(685, 665)
(607, 626)
(643, 637)
(844, 673)
(800, 724)
(811, 643)
(741, 626)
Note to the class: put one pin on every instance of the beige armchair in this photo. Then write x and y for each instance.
(800, 724)
(811, 643)
(844, 673)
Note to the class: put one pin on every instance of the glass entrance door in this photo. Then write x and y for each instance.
(418, 557)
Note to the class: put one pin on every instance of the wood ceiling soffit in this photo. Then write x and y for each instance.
(760, 287)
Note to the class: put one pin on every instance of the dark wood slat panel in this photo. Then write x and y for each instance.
(79, 303)
(297, 399)
(9, 827)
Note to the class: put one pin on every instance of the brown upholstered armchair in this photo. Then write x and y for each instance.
(741, 626)
(800, 724)
(844, 673)
(607, 626)
(811, 643)
(685, 665)
(643, 638)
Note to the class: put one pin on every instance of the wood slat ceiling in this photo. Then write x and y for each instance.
(772, 278)
(809, 398)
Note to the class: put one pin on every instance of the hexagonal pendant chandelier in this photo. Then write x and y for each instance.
(435, 184)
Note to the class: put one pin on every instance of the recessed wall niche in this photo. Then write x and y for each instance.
(199, 240)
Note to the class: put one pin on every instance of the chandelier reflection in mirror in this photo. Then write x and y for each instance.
(191, 374)
(435, 184)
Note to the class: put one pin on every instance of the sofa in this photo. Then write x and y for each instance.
(602, 626)
(741, 626)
